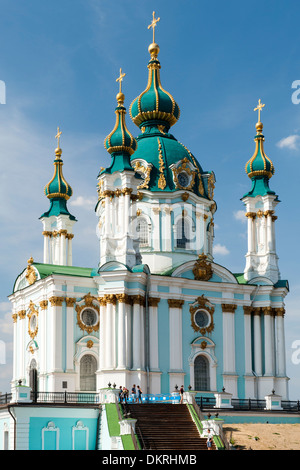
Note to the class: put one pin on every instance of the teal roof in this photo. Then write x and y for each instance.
(49, 269)
(162, 150)
(58, 206)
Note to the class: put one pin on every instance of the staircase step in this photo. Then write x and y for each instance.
(166, 427)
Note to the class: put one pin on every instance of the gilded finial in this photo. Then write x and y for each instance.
(153, 25)
(120, 95)
(58, 151)
(259, 108)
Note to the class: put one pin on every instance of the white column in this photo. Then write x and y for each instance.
(63, 247)
(251, 231)
(153, 332)
(257, 342)
(56, 328)
(270, 247)
(167, 229)
(280, 342)
(102, 334)
(46, 247)
(126, 192)
(228, 338)
(247, 340)
(107, 215)
(15, 343)
(128, 334)
(70, 301)
(156, 228)
(22, 345)
(121, 363)
(43, 339)
(198, 233)
(69, 256)
(110, 331)
(269, 341)
(137, 333)
(175, 334)
(205, 217)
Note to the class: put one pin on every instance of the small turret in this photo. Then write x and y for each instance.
(57, 221)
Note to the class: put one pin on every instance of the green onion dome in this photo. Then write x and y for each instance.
(120, 139)
(259, 168)
(57, 186)
(58, 190)
(154, 103)
(259, 165)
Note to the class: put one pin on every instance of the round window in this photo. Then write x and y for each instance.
(183, 179)
(201, 318)
(89, 317)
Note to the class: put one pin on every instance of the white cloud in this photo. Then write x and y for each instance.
(81, 201)
(220, 249)
(240, 215)
(291, 142)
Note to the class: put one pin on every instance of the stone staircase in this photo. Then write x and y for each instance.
(166, 427)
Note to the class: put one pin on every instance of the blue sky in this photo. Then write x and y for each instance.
(59, 61)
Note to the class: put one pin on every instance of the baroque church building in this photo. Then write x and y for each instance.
(157, 310)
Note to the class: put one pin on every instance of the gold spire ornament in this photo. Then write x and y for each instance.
(153, 48)
(58, 151)
(259, 108)
(120, 80)
(120, 95)
(153, 25)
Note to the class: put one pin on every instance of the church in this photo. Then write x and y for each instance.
(156, 310)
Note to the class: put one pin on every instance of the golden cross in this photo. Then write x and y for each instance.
(260, 106)
(58, 136)
(153, 25)
(120, 79)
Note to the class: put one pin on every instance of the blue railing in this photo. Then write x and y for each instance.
(158, 398)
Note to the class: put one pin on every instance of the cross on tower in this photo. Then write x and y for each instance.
(260, 106)
(58, 136)
(153, 25)
(120, 79)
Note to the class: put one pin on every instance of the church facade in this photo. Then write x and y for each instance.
(157, 311)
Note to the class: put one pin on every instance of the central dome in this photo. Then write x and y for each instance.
(165, 163)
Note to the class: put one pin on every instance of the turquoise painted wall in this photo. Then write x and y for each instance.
(65, 427)
(164, 344)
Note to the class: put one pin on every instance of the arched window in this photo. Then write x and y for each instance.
(88, 367)
(201, 373)
(143, 231)
(182, 232)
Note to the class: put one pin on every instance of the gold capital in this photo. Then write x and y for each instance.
(228, 308)
(175, 303)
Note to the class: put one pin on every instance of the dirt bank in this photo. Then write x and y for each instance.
(257, 436)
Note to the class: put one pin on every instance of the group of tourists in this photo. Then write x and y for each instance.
(136, 394)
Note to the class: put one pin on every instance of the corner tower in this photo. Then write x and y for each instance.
(117, 194)
(260, 202)
(57, 221)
